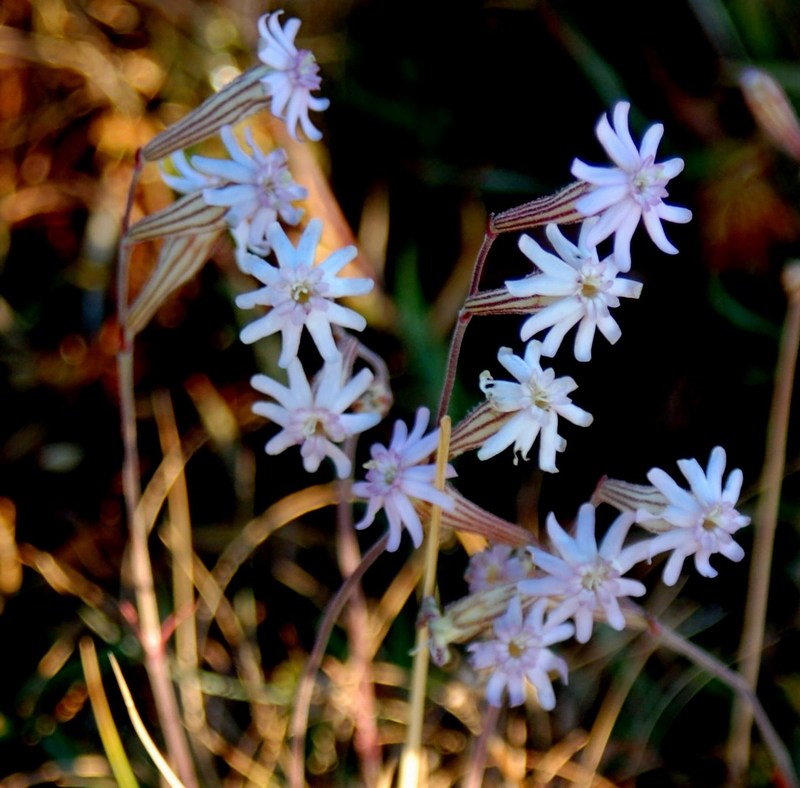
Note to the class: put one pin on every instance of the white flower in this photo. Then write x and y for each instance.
(583, 289)
(296, 75)
(257, 188)
(302, 294)
(588, 581)
(188, 179)
(538, 399)
(632, 190)
(520, 653)
(395, 476)
(495, 566)
(313, 417)
(703, 519)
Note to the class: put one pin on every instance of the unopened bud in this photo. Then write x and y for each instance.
(772, 110)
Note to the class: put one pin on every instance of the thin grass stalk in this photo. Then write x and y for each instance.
(477, 762)
(357, 621)
(141, 730)
(106, 727)
(411, 759)
(305, 685)
(179, 543)
(766, 523)
(667, 637)
(149, 623)
(610, 709)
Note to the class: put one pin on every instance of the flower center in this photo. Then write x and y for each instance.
(301, 291)
(648, 184)
(314, 425)
(595, 575)
(305, 71)
(540, 397)
(516, 649)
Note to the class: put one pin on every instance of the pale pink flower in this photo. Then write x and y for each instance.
(582, 287)
(302, 294)
(396, 475)
(519, 653)
(313, 416)
(703, 518)
(257, 188)
(537, 399)
(296, 74)
(633, 190)
(495, 566)
(585, 580)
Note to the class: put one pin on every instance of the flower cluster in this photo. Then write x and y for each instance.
(583, 583)
(522, 600)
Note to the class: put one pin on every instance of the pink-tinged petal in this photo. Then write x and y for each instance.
(554, 266)
(282, 441)
(610, 219)
(320, 330)
(609, 328)
(336, 397)
(272, 412)
(669, 169)
(336, 261)
(344, 316)
(290, 344)
(599, 176)
(675, 494)
(263, 327)
(307, 245)
(584, 338)
(672, 570)
(584, 535)
(349, 287)
(673, 213)
(555, 336)
(542, 284)
(623, 235)
(626, 288)
(654, 229)
(733, 487)
(650, 142)
(575, 415)
(624, 155)
(602, 198)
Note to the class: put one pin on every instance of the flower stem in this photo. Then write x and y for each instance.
(766, 522)
(150, 633)
(410, 761)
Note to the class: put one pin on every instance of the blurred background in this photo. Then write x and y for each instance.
(441, 113)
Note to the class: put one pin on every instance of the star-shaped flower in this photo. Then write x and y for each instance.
(257, 188)
(703, 518)
(633, 190)
(395, 475)
(313, 416)
(296, 75)
(586, 580)
(537, 399)
(520, 653)
(583, 289)
(302, 294)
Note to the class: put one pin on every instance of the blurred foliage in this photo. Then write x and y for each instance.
(441, 113)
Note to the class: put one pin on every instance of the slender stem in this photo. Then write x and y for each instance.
(766, 523)
(141, 568)
(305, 686)
(366, 738)
(477, 761)
(464, 316)
(680, 645)
(410, 761)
